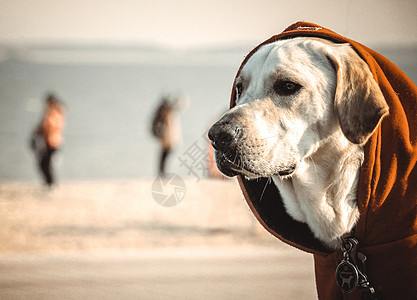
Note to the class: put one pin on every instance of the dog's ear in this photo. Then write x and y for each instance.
(359, 102)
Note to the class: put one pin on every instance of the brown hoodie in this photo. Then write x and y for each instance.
(387, 192)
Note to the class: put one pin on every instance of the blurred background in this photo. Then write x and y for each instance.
(110, 63)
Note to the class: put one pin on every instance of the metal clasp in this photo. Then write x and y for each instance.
(350, 273)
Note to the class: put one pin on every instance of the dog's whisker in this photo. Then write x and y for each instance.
(315, 168)
(268, 137)
(268, 181)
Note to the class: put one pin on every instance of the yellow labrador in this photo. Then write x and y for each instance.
(304, 109)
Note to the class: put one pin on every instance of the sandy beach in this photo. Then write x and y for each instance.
(112, 240)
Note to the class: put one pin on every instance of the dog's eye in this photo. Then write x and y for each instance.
(286, 88)
(239, 89)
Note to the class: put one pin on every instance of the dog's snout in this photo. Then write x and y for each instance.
(223, 134)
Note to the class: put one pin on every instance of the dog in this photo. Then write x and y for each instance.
(304, 108)
(322, 136)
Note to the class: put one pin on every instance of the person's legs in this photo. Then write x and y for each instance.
(164, 155)
(46, 166)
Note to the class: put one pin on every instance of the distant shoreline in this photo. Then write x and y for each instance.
(69, 53)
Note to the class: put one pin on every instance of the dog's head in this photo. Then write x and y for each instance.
(291, 96)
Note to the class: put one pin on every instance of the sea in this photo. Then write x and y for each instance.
(110, 94)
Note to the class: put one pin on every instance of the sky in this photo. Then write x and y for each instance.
(200, 23)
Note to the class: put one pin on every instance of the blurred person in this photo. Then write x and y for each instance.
(47, 137)
(166, 128)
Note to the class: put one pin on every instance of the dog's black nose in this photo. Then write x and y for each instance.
(223, 134)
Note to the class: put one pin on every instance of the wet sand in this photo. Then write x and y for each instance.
(111, 240)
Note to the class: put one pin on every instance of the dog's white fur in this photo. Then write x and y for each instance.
(320, 130)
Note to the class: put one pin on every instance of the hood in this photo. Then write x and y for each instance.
(387, 189)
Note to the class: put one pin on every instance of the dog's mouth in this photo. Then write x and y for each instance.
(227, 166)
(239, 166)
(288, 171)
